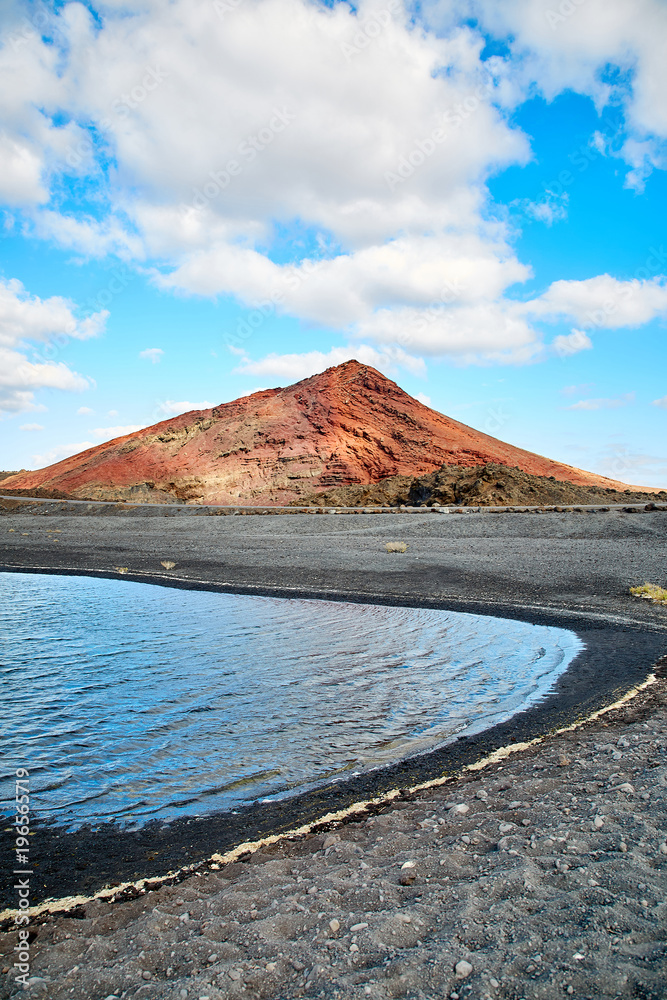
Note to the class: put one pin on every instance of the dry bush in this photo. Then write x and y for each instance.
(396, 547)
(650, 592)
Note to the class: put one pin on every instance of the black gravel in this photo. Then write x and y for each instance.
(569, 570)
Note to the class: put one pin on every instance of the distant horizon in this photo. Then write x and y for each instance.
(202, 197)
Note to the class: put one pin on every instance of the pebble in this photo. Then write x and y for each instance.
(598, 822)
(461, 809)
(463, 969)
(494, 983)
(212, 958)
(146, 974)
(334, 925)
(234, 974)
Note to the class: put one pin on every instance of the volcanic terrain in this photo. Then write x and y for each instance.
(348, 425)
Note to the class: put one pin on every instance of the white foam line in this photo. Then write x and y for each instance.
(65, 903)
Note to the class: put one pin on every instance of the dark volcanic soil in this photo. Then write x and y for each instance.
(483, 485)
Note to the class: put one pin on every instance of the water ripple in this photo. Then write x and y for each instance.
(133, 701)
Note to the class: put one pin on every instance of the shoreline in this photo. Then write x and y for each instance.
(553, 568)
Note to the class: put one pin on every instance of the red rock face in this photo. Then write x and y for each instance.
(349, 424)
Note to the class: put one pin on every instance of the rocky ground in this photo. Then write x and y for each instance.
(542, 875)
(486, 485)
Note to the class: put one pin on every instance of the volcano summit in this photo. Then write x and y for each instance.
(347, 425)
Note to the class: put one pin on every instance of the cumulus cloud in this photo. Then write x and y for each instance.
(26, 319)
(374, 154)
(84, 411)
(556, 47)
(107, 433)
(60, 452)
(171, 408)
(152, 354)
(293, 367)
(31, 427)
(572, 343)
(662, 403)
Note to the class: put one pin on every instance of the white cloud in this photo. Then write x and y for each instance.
(152, 354)
(107, 433)
(60, 452)
(171, 407)
(662, 403)
(577, 390)
(572, 343)
(556, 47)
(603, 302)
(423, 398)
(84, 411)
(603, 404)
(293, 367)
(31, 427)
(26, 318)
(112, 413)
(377, 160)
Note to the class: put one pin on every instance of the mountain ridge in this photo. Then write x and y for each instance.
(347, 425)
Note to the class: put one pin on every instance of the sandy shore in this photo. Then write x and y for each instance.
(545, 872)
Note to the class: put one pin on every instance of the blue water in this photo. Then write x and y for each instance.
(129, 701)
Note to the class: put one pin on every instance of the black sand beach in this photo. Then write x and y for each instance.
(568, 569)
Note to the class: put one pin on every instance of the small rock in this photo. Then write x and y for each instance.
(184, 917)
(563, 761)
(270, 966)
(506, 827)
(235, 975)
(296, 964)
(623, 847)
(183, 994)
(460, 810)
(407, 879)
(409, 864)
(330, 840)
(598, 822)
(146, 974)
(358, 927)
(463, 969)
(494, 983)
(354, 947)
(626, 787)
(334, 925)
(663, 848)
(481, 794)
(212, 958)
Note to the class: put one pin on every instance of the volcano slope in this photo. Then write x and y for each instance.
(348, 425)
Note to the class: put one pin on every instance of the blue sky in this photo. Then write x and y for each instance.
(199, 199)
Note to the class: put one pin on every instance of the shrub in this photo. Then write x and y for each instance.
(396, 547)
(650, 592)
